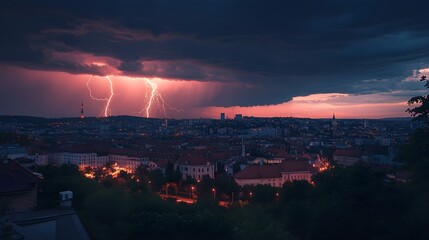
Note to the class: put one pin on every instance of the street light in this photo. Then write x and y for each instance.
(192, 191)
(214, 193)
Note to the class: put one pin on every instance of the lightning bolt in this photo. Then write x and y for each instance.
(107, 100)
(153, 97)
(154, 102)
(153, 94)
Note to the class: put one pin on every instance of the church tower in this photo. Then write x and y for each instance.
(334, 125)
(81, 112)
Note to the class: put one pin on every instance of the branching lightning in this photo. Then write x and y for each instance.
(154, 96)
(107, 100)
(154, 102)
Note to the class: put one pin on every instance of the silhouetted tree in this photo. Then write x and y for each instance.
(156, 179)
(420, 113)
(172, 175)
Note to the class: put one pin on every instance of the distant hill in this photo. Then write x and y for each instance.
(42, 120)
(23, 119)
(398, 119)
(128, 118)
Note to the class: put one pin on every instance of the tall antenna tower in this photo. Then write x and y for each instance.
(81, 112)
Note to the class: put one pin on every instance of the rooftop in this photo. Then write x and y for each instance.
(15, 178)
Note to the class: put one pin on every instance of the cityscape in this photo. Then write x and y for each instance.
(214, 120)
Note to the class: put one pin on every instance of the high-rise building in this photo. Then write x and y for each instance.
(81, 112)
(238, 116)
(222, 116)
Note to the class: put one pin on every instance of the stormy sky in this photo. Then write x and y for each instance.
(262, 58)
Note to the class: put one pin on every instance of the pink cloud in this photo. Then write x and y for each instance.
(322, 106)
(59, 94)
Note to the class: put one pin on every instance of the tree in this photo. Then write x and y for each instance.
(420, 113)
(172, 175)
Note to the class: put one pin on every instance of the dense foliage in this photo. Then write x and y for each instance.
(344, 203)
(421, 112)
(110, 209)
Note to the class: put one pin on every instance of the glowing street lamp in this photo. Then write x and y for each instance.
(192, 191)
(214, 193)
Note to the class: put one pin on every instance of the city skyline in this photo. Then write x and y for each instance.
(196, 59)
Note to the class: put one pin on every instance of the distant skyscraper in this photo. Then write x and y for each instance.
(81, 112)
(238, 116)
(222, 116)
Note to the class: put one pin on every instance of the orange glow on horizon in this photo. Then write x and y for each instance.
(316, 108)
(69, 90)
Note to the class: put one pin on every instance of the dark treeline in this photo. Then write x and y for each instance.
(344, 203)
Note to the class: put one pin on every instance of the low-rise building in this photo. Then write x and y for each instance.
(18, 187)
(79, 159)
(275, 175)
(347, 157)
(195, 166)
(129, 164)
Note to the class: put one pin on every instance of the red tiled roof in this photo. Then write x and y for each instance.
(278, 152)
(162, 163)
(274, 171)
(296, 166)
(14, 177)
(193, 160)
(9, 183)
(348, 153)
(221, 155)
(258, 171)
(201, 157)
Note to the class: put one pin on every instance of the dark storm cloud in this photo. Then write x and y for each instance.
(279, 48)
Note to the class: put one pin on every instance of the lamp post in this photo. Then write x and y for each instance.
(214, 193)
(192, 192)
